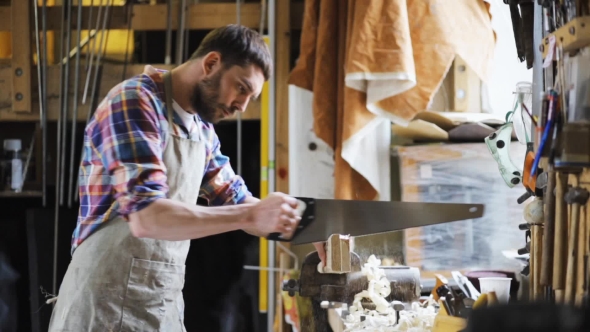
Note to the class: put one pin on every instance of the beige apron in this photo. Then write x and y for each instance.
(117, 282)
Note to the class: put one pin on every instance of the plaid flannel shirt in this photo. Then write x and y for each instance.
(122, 169)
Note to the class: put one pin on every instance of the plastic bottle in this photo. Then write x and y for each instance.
(12, 148)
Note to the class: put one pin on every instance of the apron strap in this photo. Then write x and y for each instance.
(168, 93)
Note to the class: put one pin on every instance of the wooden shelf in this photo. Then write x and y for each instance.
(22, 194)
(201, 16)
(111, 76)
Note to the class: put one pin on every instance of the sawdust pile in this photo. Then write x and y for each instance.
(383, 318)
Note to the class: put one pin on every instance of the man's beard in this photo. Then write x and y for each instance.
(205, 99)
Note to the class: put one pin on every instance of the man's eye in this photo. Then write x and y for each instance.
(241, 88)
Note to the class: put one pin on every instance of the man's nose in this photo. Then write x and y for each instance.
(242, 103)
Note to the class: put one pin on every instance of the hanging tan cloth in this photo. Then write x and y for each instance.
(369, 63)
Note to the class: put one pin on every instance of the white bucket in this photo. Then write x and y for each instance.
(501, 286)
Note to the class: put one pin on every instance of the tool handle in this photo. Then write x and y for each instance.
(549, 227)
(307, 217)
(560, 235)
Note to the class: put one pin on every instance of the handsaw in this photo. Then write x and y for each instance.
(321, 218)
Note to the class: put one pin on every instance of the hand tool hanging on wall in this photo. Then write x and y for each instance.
(548, 231)
(75, 103)
(522, 15)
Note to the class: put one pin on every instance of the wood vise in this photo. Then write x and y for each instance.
(341, 287)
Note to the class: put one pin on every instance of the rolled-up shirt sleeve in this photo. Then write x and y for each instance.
(221, 185)
(129, 141)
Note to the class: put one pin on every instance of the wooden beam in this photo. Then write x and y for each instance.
(21, 60)
(282, 70)
(201, 16)
(111, 76)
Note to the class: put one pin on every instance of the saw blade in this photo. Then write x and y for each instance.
(324, 217)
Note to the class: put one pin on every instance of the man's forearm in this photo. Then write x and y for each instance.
(250, 200)
(165, 219)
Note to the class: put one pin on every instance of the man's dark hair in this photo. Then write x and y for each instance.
(238, 46)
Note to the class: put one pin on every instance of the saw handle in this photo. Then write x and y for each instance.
(307, 217)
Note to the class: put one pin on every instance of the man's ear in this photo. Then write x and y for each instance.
(211, 61)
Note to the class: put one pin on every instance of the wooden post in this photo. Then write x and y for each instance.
(21, 56)
(281, 72)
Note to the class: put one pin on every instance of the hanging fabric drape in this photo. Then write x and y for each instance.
(370, 63)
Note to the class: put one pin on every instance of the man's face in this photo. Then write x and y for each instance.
(227, 91)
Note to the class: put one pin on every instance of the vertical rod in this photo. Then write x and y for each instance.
(66, 102)
(89, 29)
(44, 97)
(58, 165)
(271, 155)
(97, 72)
(239, 120)
(92, 51)
(187, 24)
(39, 75)
(75, 105)
(180, 32)
(100, 51)
(129, 32)
(168, 57)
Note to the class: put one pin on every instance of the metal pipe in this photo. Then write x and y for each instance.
(28, 161)
(271, 157)
(44, 115)
(92, 51)
(239, 120)
(83, 43)
(258, 268)
(290, 253)
(66, 103)
(186, 37)
(262, 16)
(95, 85)
(59, 145)
(101, 50)
(75, 105)
(168, 57)
(180, 32)
(90, 28)
(39, 77)
(129, 20)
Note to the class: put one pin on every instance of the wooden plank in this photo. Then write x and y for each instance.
(111, 76)
(201, 16)
(571, 36)
(21, 60)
